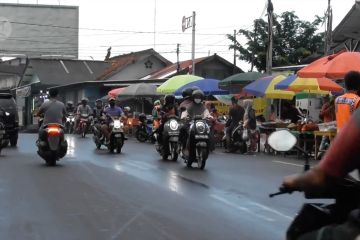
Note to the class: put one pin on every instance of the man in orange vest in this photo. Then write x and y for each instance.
(346, 104)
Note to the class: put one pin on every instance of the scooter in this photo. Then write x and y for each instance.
(83, 124)
(238, 140)
(314, 216)
(144, 131)
(197, 144)
(52, 145)
(70, 121)
(117, 136)
(169, 144)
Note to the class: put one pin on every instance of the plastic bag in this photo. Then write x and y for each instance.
(245, 135)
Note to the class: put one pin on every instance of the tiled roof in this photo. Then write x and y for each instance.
(120, 62)
(172, 69)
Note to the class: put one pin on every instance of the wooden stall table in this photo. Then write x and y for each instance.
(330, 134)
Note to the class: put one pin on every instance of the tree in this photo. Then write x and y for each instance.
(293, 41)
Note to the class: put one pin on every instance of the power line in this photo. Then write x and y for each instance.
(110, 30)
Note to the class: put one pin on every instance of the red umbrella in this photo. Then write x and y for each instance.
(115, 92)
(334, 66)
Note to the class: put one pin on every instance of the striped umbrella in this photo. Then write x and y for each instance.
(265, 87)
(312, 85)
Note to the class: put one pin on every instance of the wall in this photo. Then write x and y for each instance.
(26, 29)
(213, 69)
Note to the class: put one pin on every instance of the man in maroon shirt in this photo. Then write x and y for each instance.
(341, 158)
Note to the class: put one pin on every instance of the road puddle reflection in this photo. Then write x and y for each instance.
(71, 146)
(173, 182)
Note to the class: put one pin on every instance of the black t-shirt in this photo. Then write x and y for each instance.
(236, 114)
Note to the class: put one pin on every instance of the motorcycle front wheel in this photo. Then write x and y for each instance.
(141, 136)
(202, 157)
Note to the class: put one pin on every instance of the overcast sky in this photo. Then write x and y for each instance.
(128, 25)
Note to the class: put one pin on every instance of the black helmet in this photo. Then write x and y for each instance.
(187, 92)
(98, 100)
(352, 80)
(195, 88)
(198, 94)
(169, 99)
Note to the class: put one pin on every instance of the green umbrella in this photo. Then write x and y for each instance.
(235, 83)
(174, 83)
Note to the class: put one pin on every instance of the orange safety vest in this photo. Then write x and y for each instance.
(345, 105)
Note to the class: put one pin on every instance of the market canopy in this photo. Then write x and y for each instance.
(208, 86)
(139, 90)
(174, 83)
(237, 82)
(265, 87)
(334, 66)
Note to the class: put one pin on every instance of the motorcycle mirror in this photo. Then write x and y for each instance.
(282, 141)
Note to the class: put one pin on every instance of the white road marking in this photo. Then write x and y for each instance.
(271, 210)
(223, 200)
(287, 163)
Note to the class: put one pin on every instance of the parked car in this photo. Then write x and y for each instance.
(11, 118)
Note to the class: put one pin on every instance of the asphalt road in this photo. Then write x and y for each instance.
(92, 194)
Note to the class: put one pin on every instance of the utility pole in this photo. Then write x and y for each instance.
(234, 51)
(155, 25)
(193, 44)
(177, 54)
(270, 10)
(328, 29)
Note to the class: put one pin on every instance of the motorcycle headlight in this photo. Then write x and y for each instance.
(7, 114)
(117, 124)
(68, 119)
(200, 127)
(121, 124)
(174, 125)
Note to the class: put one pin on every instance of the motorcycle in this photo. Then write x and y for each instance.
(314, 216)
(117, 136)
(144, 131)
(4, 139)
(83, 124)
(238, 139)
(169, 144)
(52, 145)
(70, 121)
(197, 144)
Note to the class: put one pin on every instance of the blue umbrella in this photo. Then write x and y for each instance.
(208, 86)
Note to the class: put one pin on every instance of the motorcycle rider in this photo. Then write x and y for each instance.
(70, 108)
(167, 111)
(53, 111)
(98, 110)
(196, 108)
(83, 108)
(186, 94)
(341, 158)
(111, 111)
(236, 114)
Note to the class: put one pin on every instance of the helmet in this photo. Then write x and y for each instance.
(127, 109)
(352, 80)
(157, 102)
(70, 103)
(169, 99)
(195, 88)
(84, 100)
(198, 94)
(111, 99)
(98, 100)
(187, 92)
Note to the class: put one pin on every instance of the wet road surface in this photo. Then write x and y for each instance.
(92, 194)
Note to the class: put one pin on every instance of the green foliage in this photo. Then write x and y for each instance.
(293, 40)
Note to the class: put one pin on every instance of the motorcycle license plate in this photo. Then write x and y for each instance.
(117, 135)
(201, 137)
(173, 133)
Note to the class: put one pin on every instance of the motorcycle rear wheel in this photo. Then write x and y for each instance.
(141, 136)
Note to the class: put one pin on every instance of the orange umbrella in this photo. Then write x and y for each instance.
(115, 92)
(334, 66)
